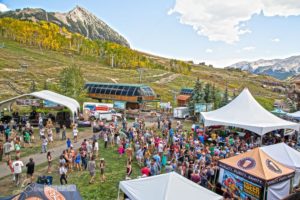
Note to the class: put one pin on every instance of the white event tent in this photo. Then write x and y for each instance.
(245, 112)
(68, 102)
(287, 156)
(295, 115)
(170, 186)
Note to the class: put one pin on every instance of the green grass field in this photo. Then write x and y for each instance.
(115, 171)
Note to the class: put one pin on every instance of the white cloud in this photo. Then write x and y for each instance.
(250, 48)
(208, 50)
(224, 20)
(275, 40)
(3, 7)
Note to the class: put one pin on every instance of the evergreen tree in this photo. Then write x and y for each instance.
(33, 86)
(72, 82)
(208, 93)
(225, 98)
(45, 85)
(197, 96)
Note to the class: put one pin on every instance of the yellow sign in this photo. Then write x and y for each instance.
(251, 189)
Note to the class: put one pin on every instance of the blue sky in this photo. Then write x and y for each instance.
(217, 32)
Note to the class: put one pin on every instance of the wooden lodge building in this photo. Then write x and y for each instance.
(184, 97)
(135, 95)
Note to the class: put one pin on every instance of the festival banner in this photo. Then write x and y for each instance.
(241, 187)
(28, 102)
(200, 107)
(120, 105)
(50, 104)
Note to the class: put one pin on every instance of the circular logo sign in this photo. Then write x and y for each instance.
(246, 163)
(53, 194)
(273, 167)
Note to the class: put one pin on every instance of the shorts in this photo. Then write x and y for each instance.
(29, 175)
(7, 154)
(92, 173)
(101, 171)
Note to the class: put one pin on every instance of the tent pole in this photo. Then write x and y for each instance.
(265, 191)
(119, 193)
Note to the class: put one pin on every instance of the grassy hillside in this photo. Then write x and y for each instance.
(45, 65)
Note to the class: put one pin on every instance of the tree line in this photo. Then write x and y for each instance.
(47, 35)
(207, 94)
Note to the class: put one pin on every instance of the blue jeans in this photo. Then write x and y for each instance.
(44, 148)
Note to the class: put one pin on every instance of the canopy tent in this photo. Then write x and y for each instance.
(278, 111)
(259, 169)
(295, 115)
(170, 186)
(287, 156)
(267, 176)
(39, 191)
(245, 112)
(68, 102)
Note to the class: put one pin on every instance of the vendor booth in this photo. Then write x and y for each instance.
(170, 186)
(246, 113)
(287, 156)
(255, 175)
(47, 95)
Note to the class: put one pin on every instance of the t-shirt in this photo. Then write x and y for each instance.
(145, 171)
(62, 170)
(105, 137)
(7, 147)
(195, 178)
(30, 167)
(17, 147)
(27, 137)
(91, 166)
(160, 147)
(68, 143)
(75, 132)
(45, 142)
(17, 165)
(201, 138)
(96, 147)
(89, 148)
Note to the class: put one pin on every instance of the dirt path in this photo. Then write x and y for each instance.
(40, 158)
(115, 80)
(167, 79)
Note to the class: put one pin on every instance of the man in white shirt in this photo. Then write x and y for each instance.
(63, 174)
(17, 165)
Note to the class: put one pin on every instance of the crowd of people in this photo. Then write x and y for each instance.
(193, 153)
(161, 147)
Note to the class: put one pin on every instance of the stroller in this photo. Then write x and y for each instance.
(45, 180)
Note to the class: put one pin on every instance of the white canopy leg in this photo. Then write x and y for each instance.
(119, 193)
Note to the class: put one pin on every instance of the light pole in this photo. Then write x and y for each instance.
(140, 71)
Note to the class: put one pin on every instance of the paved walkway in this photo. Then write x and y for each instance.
(39, 158)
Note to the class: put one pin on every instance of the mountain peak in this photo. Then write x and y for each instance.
(278, 68)
(79, 9)
(78, 20)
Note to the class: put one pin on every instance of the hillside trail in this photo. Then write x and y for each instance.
(167, 79)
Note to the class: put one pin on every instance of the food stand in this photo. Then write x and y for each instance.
(255, 175)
